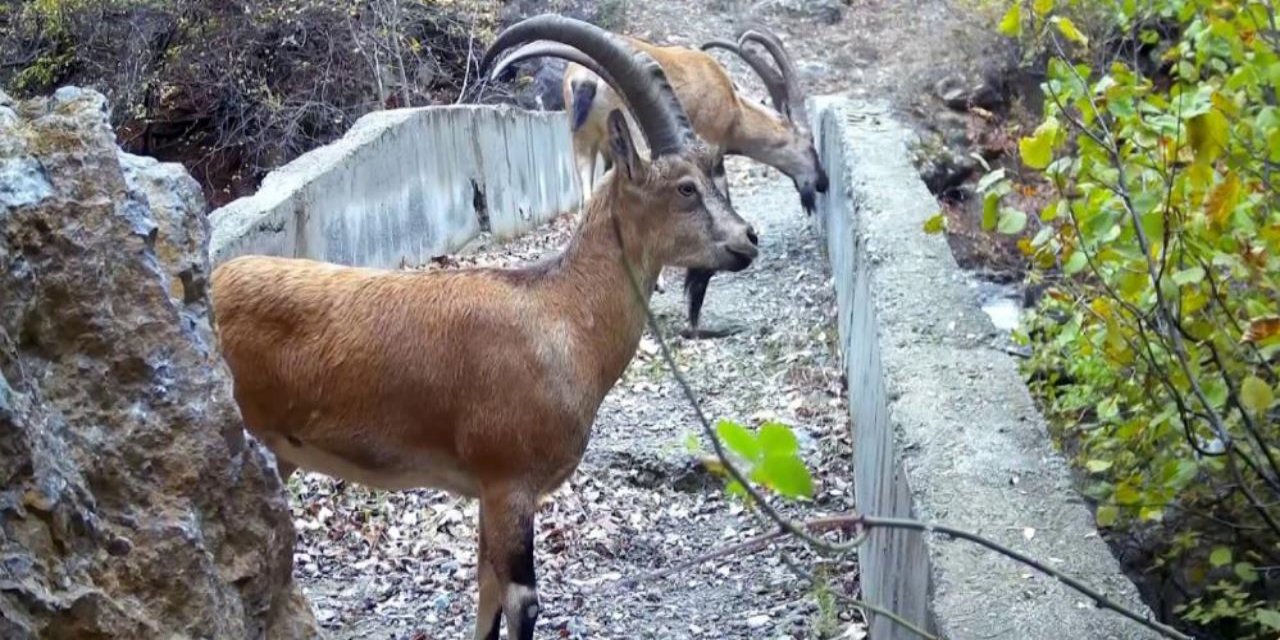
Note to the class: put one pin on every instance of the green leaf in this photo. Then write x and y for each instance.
(788, 476)
(1127, 494)
(1107, 515)
(1011, 23)
(1042, 7)
(1151, 514)
(1012, 221)
(1069, 31)
(1246, 572)
(1043, 236)
(990, 211)
(935, 224)
(1269, 618)
(735, 490)
(1188, 276)
(1077, 262)
(739, 440)
(777, 439)
(691, 443)
(1220, 557)
(1256, 395)
(1098, 466)
(991, 178)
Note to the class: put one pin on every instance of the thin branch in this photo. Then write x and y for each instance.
(1098, 598)
(785, 523)
(869, 522)
(746, 547)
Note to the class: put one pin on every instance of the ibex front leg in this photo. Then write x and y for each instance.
(508, 587)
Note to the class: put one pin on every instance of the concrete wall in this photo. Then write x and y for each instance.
(944, 429)
(401, 187)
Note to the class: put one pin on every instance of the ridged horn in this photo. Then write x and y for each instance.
(772, 44)
(772, 80)
(552, 50)
(638, 77)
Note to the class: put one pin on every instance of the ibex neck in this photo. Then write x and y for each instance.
(758, 132)
(598, 295)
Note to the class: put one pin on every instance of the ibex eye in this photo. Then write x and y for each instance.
(687, 190)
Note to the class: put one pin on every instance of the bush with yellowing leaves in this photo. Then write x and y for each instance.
(1156, 351)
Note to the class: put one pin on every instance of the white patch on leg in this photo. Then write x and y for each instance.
(518, 596)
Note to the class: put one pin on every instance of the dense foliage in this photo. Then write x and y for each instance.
(1156, 346)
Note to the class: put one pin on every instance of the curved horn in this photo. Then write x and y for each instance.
(639, 77)
(553, 50)
(773, 45)
(773, 82)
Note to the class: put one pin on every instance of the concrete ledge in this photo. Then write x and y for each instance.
(944, 429)
(406, 185)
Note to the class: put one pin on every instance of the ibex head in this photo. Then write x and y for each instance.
(793, 151)
(668, 204)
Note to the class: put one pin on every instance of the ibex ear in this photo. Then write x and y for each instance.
(719, 177)
(621, 147)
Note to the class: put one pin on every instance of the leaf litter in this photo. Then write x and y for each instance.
(402, 564)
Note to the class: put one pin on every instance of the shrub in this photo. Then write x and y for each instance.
(1156, 346)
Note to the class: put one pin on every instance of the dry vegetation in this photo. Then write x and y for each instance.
(234, 88)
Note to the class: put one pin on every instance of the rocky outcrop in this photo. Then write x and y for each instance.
(132, 505)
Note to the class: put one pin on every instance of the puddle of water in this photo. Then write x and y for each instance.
(1005, 313)
(1001, 302)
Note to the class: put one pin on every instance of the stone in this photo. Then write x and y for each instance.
(961, 95)
(132, 503)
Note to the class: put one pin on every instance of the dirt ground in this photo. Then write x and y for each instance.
(402, 565)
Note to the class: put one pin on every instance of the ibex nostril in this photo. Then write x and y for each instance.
(751, 235)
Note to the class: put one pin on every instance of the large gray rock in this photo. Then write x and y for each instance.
(132, 505)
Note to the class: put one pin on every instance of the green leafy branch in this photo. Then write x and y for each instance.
(781, 445)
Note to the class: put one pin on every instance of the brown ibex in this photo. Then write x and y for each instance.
(722, 115)
(483, 382)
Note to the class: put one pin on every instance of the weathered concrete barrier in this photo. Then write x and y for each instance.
(944, 429)
(406, 185)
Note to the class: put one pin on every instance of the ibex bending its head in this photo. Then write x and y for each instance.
(720, 114)
(482, 382)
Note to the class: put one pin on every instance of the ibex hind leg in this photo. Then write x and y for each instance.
(508, 586)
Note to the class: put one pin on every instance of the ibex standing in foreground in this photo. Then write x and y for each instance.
(779, 137)
(482, 382)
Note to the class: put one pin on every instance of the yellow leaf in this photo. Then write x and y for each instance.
(1069, 31)
(1042, 7)
(1207, 134)
(935, 224)
(713, 464)
(1037, 151)
(1223, 199)
(1011, 23)
(1101, 306)
(1256, 395)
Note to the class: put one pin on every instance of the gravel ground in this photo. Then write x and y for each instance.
(402, 565)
